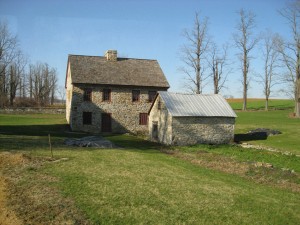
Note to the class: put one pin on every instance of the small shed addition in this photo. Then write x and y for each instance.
(187, 119)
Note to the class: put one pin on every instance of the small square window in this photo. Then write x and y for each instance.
(136, 95)
(143, 118)
(151, 95)
(87, 118)
(106, 95)
(87, 95)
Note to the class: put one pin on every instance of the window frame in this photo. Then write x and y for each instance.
(143, 119)
(134, 94)
(87, 94)
(104, 95)
(87, 118)
(151, 96)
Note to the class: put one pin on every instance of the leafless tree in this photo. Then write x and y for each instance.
(42, 83)
(62, 93)
(290, 50)
(245, 41)
(218, 63)
(193, 54)
(17, 72)
(8, 47)
(270, 76)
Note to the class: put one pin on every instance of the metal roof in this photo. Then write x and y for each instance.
(196, 105)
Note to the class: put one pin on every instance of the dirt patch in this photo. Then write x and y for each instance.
(29, 196)
(7, 215)
(258, 172)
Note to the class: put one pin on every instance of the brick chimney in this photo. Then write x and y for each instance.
(111, 55)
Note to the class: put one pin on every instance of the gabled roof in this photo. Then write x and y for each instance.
(124, 71)
(196, 105)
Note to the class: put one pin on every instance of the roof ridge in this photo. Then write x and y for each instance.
(98, 56)
(179, 93)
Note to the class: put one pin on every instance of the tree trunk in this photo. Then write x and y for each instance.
(267, 104)
(297, 99)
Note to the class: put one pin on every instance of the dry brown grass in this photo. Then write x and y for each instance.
(31, 197)
(7, 161)
(260, 174)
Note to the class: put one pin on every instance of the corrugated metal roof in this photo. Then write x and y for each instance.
(196, 105)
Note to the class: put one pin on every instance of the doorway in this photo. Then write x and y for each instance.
(155, 130)
(106, 122)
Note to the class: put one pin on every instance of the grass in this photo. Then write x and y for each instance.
(259, 104)
(278, 120)
(139, 183)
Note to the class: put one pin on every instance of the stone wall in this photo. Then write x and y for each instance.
(43, 110)
(159, 115)
(124, 113)
(208, 130)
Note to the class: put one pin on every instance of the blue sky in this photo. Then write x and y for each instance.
(49, 30)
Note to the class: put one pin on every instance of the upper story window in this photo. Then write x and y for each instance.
(106, 95)
(136, 95)
(151, 95)
(87, 95)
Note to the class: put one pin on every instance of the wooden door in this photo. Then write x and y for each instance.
(106, 122)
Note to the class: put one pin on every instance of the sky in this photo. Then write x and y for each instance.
(49, 30)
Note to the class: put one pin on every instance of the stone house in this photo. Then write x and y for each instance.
(187, 119)
(111, 94)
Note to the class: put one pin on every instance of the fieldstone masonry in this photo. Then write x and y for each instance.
(124, 113)
(208, 130)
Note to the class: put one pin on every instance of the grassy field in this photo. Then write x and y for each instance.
(259, 104)
(146, 183)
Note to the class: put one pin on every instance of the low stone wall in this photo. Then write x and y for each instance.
(44, 110)
(206, 130)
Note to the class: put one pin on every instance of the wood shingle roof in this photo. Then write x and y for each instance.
(124, 71)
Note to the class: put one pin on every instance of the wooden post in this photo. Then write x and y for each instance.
(50, 145)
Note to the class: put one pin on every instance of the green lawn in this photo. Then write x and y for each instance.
(289, 140)
(140, 184)
(259, 104)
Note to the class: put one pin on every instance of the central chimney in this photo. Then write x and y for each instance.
(111, 55)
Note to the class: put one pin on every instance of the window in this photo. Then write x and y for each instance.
(87, 118)
(135, 95)
(106, 95)
(87, 95)
(143, 118)
(151, 95)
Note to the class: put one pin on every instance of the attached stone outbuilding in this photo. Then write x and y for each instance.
(187, 119)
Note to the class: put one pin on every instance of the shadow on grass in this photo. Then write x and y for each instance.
(133, 142)
(33, 137)
(250, 137)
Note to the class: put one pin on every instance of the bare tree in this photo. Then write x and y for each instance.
(270, 76)
(193, 54)
(8, 46)
(17, 72)
(245, 41)
(42, 83)
(290, 51)
(218, 63)
(62, 93)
